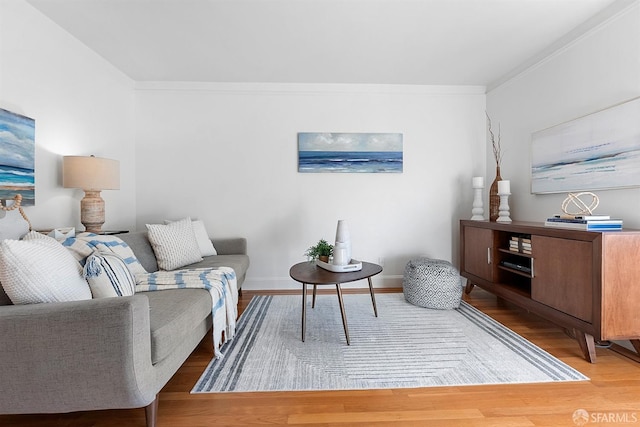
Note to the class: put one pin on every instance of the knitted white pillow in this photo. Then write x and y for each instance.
(174, 244)
(39, 269)
(108, 276)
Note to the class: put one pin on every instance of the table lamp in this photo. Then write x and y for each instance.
(91, 174)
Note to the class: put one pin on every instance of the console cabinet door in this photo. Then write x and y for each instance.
(563, 274)
(478, 252)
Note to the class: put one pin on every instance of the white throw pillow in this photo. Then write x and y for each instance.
(174, 244)
(39, 269)
(204, 242)
(108, 276)
(12, 224)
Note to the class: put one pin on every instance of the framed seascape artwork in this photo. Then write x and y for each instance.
(17, 157)
(595, 152)
(350, 152)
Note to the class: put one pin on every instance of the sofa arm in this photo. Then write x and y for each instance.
(73, 356)
(230, 246)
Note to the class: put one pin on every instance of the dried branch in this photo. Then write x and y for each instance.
(497, 149)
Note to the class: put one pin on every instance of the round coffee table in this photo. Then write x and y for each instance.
(308, 273)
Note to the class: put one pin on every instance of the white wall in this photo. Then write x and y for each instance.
(598, 70)
(227, 154)
(81, 105)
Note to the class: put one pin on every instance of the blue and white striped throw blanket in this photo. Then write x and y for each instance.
(220, 282)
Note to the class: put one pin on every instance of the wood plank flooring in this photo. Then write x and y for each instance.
(611, 397)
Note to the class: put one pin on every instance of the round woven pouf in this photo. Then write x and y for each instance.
(432, 283)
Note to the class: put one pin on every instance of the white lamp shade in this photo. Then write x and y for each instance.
(90, 173)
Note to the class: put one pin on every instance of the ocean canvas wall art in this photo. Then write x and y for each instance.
(17, 157)
(595, 152)
(350, 152)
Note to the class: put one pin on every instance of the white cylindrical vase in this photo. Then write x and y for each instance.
(343, 240)
(341, 254)
(342, 232)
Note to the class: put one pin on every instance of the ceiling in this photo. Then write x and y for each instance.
(424, 42)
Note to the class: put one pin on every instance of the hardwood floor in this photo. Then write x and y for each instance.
(611, 397)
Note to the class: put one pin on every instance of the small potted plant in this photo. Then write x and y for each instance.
(322, 251)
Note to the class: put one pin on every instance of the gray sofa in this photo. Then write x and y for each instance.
(105, 353)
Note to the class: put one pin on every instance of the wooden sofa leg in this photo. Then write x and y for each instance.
(151, 411)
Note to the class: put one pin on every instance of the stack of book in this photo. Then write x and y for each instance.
(585, 222)
(521, 245)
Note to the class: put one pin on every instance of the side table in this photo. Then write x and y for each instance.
(308, 273)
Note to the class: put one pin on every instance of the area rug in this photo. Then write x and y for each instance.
(406, 346)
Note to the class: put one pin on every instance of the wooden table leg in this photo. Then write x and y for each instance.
(304, 309)
(313, 300)
(344, 317)
(373, 297)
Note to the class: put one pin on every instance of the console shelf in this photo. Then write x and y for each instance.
(583, 281)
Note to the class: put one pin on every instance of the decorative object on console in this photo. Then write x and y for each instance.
(585, 224)
(504, 190)
(350, 152)
(478, 209)
(583, 209)
(584, 218)
(17, 158)
(92, 174)
(494, 199)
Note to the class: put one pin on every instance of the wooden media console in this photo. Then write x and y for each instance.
(584, 281)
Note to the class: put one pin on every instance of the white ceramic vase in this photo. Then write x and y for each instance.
(342, 246)
(341, 254)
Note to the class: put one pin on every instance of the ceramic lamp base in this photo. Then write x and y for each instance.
(92, 211)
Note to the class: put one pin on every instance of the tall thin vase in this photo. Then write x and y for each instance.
(343, 241)
(494, 199)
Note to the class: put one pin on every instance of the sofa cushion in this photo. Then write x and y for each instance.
(231, 253)
(173, 313)
(39, 269)
(174, 244)
(108, 276)
(139, 243)
(239, 263)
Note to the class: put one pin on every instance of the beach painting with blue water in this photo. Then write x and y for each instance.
(350, 152)
(594, 152)
(17, 157)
